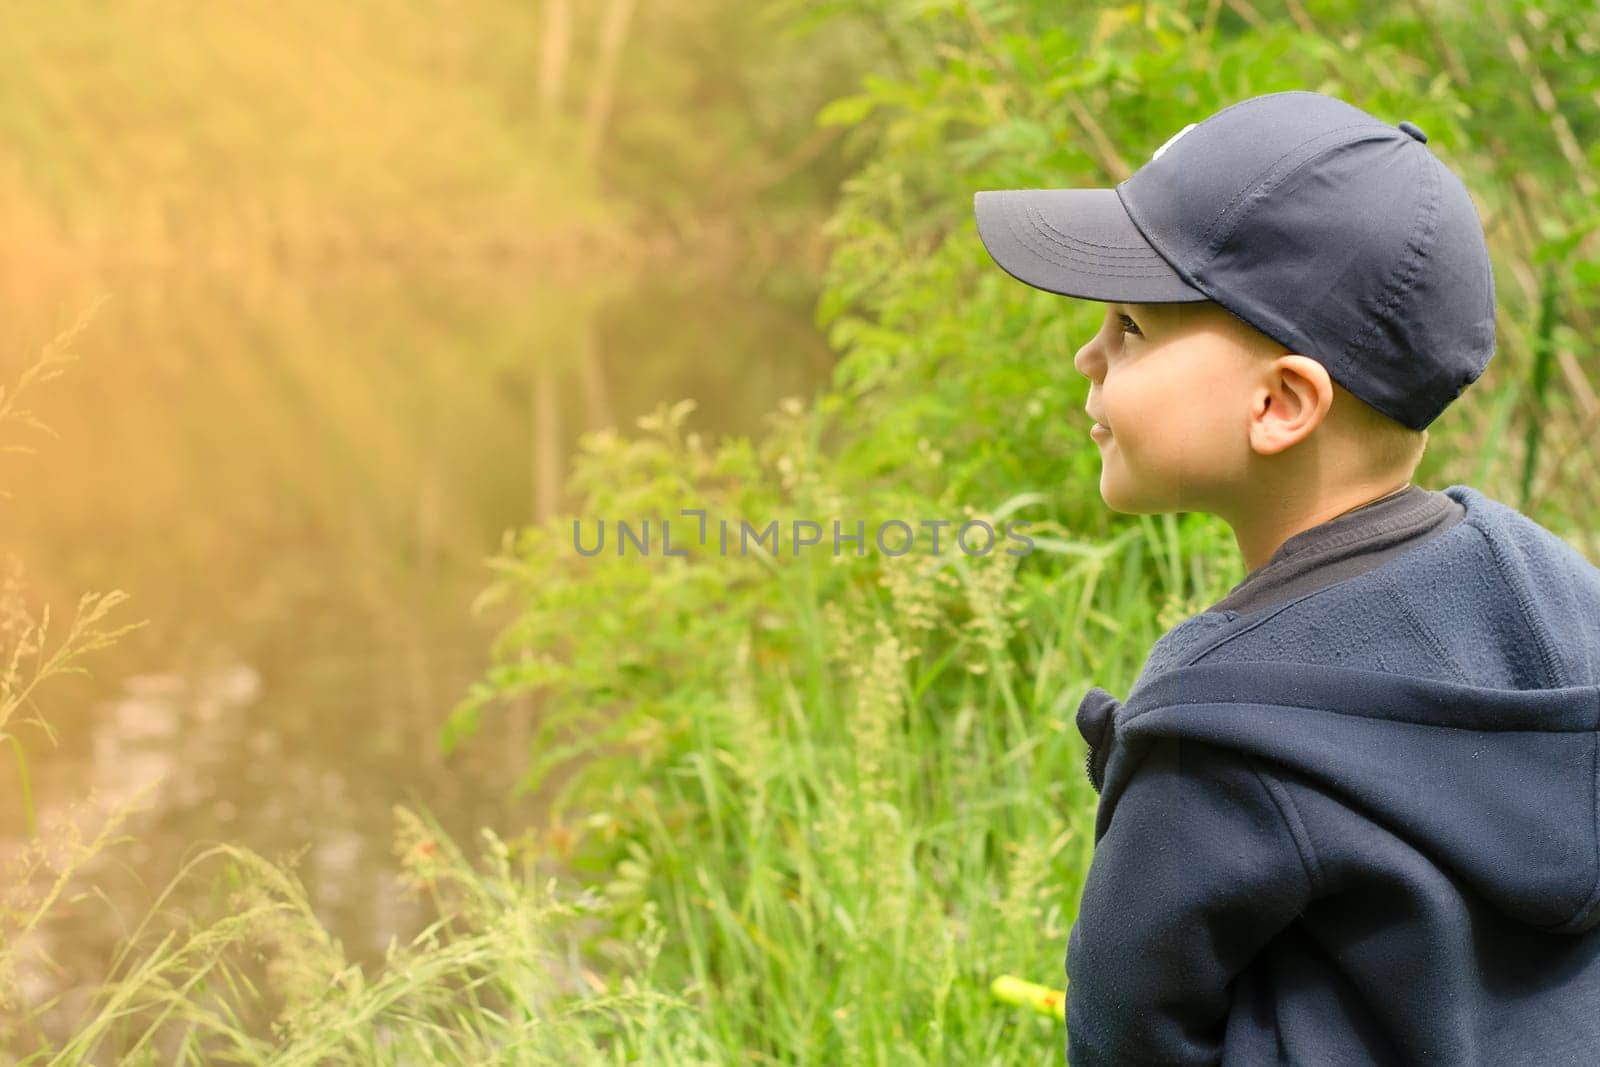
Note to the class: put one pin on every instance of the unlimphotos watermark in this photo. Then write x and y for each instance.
(894, 537)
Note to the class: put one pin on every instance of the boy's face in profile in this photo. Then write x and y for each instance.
(1172, 383)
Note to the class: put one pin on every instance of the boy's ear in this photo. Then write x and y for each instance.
(1290, 404)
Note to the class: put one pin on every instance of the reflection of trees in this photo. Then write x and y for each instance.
(563, 350)
(555, 54)
(603, 92)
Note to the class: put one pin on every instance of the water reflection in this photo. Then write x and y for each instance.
(296, 476)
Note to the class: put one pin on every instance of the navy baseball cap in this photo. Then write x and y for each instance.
(1339, 236)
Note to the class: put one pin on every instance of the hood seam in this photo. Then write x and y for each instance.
(1441, 652)
(1511, 575)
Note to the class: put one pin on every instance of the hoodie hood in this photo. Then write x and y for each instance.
(1499, 786)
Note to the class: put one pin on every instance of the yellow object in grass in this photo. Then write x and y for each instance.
(1042, 999)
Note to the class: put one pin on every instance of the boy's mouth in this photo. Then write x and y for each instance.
(1099, 432)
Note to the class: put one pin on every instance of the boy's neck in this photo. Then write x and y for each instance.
(1261, 535)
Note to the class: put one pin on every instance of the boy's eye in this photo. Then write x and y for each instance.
(1129, 326)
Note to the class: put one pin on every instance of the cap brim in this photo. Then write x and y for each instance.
(1077, 242)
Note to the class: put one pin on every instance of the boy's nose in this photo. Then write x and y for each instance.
(1088, 360)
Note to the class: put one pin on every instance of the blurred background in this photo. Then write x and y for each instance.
(352, 279)
(356, 306)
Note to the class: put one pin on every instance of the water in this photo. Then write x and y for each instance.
(296, 475)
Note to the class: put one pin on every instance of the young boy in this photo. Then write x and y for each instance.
(1351, 813)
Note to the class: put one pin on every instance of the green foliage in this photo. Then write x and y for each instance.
(937, 344)
(851, 784)
(848, 782)
(483, 983)
(810, 804)
(407, 132)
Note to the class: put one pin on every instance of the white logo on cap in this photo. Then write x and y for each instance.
(1174, 137)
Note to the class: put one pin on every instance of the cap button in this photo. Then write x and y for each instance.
(1414, 131)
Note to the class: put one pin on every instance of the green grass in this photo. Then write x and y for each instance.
(805, 810)
(837, 803)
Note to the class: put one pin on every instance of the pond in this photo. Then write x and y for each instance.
(296, 473)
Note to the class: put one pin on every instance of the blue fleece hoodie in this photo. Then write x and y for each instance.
(1360, 826)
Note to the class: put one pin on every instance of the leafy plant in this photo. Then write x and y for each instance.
(852, 783)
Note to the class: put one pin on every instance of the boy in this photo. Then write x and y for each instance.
(1351, 813)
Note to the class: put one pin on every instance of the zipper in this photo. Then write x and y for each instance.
(1096, 724)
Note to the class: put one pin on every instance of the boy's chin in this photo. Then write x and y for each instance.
(1121, 496)
(1120, 500)
(1116, 491)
